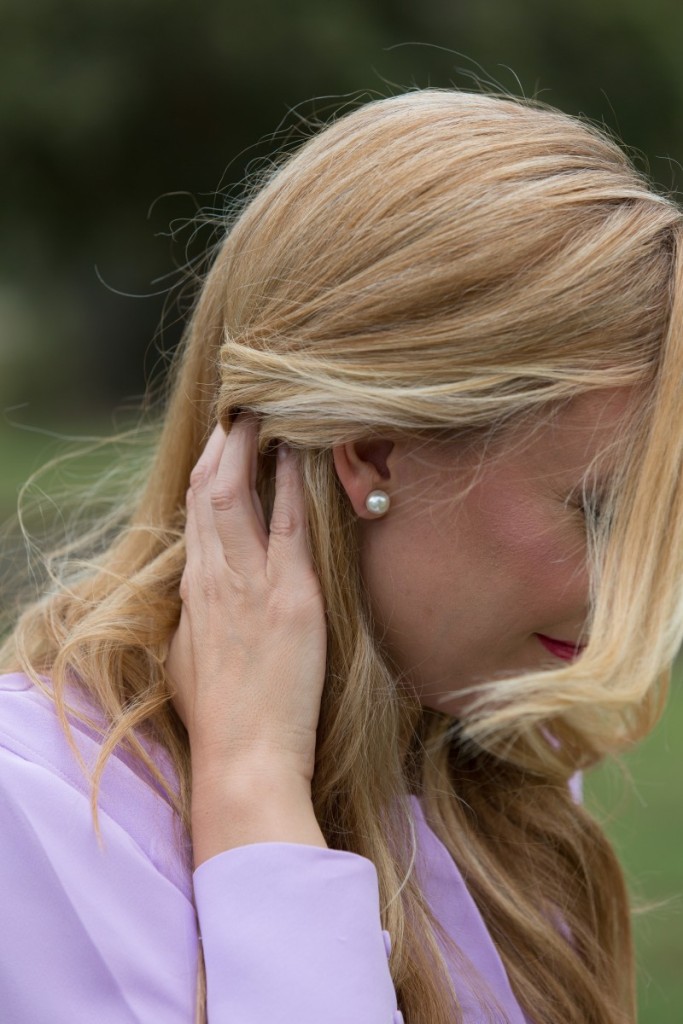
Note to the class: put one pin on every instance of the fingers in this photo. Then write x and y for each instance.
(233, 499)
(209, 459)
(225, 522)
(201, 539)
(288, 546)
(222, 522)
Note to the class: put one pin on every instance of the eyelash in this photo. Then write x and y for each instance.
(593, 509)
(588, 508)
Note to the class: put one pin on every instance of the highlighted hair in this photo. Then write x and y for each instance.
(434, 264)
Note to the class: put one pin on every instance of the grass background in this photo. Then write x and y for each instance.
(644, 820)
(643, 817)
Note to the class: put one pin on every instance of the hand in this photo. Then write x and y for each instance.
(247, 662)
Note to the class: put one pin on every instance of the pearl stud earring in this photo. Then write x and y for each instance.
(377, 502)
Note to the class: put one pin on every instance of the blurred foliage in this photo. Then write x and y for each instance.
(114, 108)
(121, 119)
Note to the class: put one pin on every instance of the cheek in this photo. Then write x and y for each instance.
(540, 551)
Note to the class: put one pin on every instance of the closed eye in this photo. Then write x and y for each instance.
(591, 505)
(593, 509)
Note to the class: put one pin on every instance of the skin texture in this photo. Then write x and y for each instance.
(250, 707)
(474, 558)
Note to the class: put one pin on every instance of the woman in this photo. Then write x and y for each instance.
(425, 569)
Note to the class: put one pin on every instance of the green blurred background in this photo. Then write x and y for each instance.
(122, 122)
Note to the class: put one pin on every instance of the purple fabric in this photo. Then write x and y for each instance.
(291, 933)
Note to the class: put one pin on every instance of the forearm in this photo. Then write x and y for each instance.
(239, 807)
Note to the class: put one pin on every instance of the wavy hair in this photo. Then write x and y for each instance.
(436, 264)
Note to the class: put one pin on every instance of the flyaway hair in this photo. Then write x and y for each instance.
(438, 265)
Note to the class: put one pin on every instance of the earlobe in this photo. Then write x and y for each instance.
(362, 469)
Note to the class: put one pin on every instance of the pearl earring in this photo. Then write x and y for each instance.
(377, 502)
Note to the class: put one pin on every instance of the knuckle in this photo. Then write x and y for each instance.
(224, 498)
(198, 477)
(199, 584)
(284, 522)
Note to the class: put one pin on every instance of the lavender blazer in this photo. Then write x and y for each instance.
(291, 933)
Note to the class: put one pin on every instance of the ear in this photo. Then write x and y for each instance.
(362, 466)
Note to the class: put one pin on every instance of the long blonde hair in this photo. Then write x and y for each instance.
(432, 264)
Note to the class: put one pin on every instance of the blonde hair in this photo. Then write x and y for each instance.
(434, 264)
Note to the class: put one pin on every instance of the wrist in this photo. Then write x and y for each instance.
(244, 807)
(262, 761)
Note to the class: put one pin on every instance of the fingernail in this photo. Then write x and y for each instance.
(283, 451)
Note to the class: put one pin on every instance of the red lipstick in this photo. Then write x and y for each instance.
(560, 648)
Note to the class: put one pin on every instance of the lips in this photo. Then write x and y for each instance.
(560, 648)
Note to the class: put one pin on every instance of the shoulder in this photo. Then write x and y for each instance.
(39, 768)
(98, 926)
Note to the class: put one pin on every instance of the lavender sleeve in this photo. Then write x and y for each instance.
(292, 934)
(110, 932)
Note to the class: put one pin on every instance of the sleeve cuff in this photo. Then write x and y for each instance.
(292, 933)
